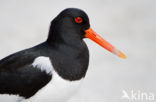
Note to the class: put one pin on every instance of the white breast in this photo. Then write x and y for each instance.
(58, 89)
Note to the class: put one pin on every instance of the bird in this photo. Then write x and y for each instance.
(54, 69)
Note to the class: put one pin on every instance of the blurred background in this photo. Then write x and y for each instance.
(130, 25)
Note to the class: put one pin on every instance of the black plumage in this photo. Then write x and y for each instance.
(67, 51)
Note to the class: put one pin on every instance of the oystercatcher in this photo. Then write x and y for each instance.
(54, 69)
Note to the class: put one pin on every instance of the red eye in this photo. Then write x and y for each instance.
(78, 20)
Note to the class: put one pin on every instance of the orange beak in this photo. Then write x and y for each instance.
(99, 40)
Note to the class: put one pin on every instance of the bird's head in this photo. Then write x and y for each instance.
(73, 25)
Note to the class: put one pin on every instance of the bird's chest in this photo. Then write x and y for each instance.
(71, 66)
(57, 90)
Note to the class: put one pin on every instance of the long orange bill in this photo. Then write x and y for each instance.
(99, 40)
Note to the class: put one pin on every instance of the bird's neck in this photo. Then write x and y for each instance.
(69, 61)
(68, 38)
